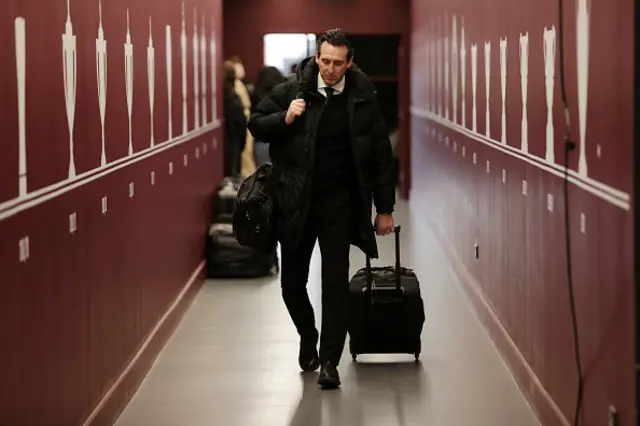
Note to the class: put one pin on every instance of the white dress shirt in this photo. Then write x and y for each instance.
(338, 87)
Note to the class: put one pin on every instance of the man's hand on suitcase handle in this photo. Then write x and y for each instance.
(384, 224)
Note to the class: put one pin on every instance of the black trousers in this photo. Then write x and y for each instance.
(331, 223)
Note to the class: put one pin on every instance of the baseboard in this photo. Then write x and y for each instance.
(118, 396)
(537, 396)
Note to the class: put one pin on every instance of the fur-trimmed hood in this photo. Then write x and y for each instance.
(358, 82)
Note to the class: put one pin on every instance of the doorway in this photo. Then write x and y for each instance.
(284, 51)
(379, 56)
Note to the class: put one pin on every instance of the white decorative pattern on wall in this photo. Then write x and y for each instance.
(438, 86)
(69, 61)
(203, 49)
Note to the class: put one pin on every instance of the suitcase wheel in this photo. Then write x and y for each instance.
(418, 350)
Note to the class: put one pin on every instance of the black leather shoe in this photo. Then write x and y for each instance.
(329, 377)
(308, 357)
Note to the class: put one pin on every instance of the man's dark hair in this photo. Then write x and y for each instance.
(335, 37)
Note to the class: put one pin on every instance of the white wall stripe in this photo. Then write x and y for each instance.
(605, 192)
(35, 198)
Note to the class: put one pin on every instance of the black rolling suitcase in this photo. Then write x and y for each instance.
(226, 258)
(386, 309)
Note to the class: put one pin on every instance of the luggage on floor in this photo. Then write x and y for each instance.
(386, 309)
(228, 259)
(226, 198)
(254, 223)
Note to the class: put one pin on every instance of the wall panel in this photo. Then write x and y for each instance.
(515, 208)
(93, 250)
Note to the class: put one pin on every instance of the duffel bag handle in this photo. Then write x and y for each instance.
(398, 268)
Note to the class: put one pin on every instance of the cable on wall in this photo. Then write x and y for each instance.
(569, 146)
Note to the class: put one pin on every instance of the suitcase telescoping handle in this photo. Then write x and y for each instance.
(398, 268)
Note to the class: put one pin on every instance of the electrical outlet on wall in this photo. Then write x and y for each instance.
(73, 223)
(476, 250)
(23, 248)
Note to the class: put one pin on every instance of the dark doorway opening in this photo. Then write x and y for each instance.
(378, 56)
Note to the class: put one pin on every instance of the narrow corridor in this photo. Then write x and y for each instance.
(233, 360)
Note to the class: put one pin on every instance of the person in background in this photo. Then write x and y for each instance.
(240, 72)
(292, 72)
(247, 162)
(266, 80)
(235, 123)
(332, 160)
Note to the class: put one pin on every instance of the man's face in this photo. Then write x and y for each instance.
(332, 61)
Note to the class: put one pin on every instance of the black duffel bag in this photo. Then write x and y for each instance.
(254, 213)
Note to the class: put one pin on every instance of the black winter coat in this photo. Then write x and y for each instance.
(292, 151)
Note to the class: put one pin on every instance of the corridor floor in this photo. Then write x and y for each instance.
(233, 360)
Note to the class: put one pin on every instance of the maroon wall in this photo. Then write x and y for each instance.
(471, 188)
(79, 307)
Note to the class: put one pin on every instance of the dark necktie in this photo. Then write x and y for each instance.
(330, 92)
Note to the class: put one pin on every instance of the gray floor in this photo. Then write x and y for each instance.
(233, 361)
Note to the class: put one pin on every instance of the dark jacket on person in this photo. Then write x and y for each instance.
(235, 132)
(292, 150)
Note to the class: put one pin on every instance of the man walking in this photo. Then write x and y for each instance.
(332, 160)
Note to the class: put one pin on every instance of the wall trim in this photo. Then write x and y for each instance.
(32, 199)
(537, 396)
(116, 398)
(611, 195)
